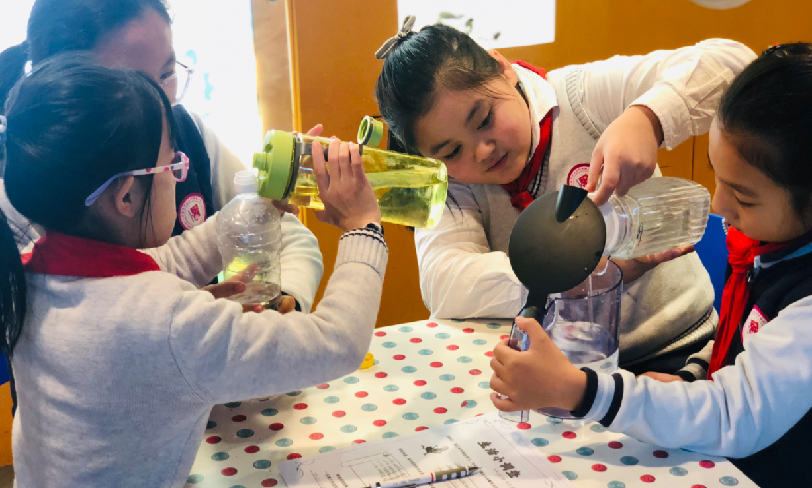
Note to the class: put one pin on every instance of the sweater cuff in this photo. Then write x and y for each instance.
(695, 369)
(603, 398)
(364, 245)
(674, 116)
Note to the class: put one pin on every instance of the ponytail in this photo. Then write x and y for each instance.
(12, 68)
(12, 288)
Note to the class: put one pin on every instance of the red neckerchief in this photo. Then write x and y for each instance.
(520, 197)
(64, 255)
(742, 252)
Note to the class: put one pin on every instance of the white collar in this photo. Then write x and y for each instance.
(540, 98)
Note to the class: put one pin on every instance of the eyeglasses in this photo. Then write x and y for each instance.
(179, 82)
(179, 169)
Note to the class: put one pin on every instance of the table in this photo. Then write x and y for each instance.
(426, 374)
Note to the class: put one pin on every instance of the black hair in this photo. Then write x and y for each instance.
(438, 56)
(58, 26)
(766, 114)
(71, 125)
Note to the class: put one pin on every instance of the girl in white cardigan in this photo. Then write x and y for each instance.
(118, 356)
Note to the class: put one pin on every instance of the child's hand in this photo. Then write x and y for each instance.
(662, 377)
(539, 377)
(635, 268)
(231, 288)
(349, 202)
(626, 153)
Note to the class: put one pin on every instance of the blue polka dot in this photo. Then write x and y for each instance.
(629, 460)
(469, 404)
(405, 328)
(458, 320)
(425, 352)
(616, 484)
(408, 369)
(391, 388)
(375, 362)
(236, 486)
(349, 428)
(269, 412)
(554, 420)
(308, 420)
(485, 385)
(219, 456)
(728, 481)
(447, 377)
(451, 421)
(389, 435)
(585, 451)
(389, 344)
(284, 442)
(262, 464)
(540, 442)
(369, 407)
(678, 471)
(327, 449)
(245, 433)
(494, 325)
(233, 404)
(428, 395)
(410, 416)
(294, 393)
(442, 335)
(331, 399)
(480, 342)
(211, 424)
(597, 428)
(570, 475)
(464, 359)
(351, 380)
(194, 479)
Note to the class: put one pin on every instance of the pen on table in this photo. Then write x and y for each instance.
(449, 474)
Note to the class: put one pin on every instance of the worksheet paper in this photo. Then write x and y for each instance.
(505, 457)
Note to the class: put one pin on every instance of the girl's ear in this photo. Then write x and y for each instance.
(505, 67)
(125, 199)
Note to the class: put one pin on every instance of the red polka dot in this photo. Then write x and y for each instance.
(379, 423)
(615, 445)
(398, 357)
(229, 472)
(568, 435)
(339, 413)
(361, 394)
(452, 347)
(419, 383)
(475, 372)
(415, 340)
(647, 478)
(300, 406)
(440, 410)
(468, 330)
(358, 441)
(504, 336)
(431, 325)
(707, 464)
(478, 415)
(238, 418)
(268, 483)
(436, 364)
(276, 426)
(421, 428)
(399, 401)
(213, 439)
(457, 389)
(523, 426)
(381, 374)
(252, 449)
(380, 333)
(598, 467)
(464, 403)
(489, 354)
(294, 455)
(660, 454)
(698, 486)
(323, 386)
(554, 459)
(316, 436)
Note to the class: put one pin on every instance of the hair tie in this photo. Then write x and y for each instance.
(393, 41)
(3, 129)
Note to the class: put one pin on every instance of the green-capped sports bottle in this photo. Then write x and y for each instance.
(411, 190)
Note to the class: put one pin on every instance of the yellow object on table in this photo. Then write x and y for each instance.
(369, 361)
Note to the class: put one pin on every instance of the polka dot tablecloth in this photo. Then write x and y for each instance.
(426, 374)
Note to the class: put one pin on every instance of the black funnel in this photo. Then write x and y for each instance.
(556, 243)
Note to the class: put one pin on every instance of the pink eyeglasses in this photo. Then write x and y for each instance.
(179, 169)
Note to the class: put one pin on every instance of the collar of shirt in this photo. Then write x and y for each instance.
(540, 98)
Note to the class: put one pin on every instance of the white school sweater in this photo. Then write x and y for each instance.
(116, 376)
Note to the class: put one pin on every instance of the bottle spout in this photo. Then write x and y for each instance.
(569, 199)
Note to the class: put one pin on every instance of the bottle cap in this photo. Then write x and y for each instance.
(245, 181)
(370, 132)
(275, 164)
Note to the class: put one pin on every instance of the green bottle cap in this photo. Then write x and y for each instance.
(275, 164)
(371, 132)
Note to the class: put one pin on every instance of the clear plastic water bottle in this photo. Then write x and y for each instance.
(655, 216)
(249, 238)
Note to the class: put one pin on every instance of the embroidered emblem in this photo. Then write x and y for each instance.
(579, 175)
(755, 321)
(192, 211)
